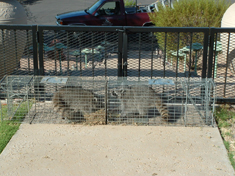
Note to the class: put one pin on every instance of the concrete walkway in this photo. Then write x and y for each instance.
(67, 150)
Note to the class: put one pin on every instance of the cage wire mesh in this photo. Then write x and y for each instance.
(162, 102)
(67, 99)
(80, 53)
(16, 90)
(175, 102)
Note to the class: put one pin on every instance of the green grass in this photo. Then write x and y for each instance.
(7, 130)
(231, 158)
(9, 127)
(227, 134)
(226, 144)
(225, 118)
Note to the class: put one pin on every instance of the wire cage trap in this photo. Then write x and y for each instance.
(162, 101)
(67, 99)
(184, 102)
(15, 89)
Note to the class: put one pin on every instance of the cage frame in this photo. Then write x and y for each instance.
(184, 100)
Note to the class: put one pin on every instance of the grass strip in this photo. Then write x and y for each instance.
(225, 118)
(9, 127)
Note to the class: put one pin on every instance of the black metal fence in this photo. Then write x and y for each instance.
(221, 65)
(140, 52)
(18, 49)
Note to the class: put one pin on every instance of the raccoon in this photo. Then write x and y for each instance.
(139, 99)
(74, 102)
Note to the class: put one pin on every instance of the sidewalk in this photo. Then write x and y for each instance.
(50, 149)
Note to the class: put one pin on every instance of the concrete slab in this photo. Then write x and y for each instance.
(53, 149)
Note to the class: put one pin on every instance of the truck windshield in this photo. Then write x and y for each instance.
(94, 7)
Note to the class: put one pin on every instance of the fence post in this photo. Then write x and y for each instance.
(39, 88)
(210, 59)
(120, 47)
(40, 43)
(125, 41)
(205, 49)
(35, 49)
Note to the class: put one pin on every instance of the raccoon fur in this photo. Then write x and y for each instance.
(139, 99)
(74, 102)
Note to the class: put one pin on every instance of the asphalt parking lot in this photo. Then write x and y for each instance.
(43, 12)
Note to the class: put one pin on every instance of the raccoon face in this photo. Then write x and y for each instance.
(114, 93)
(119, 93)
(97, 103)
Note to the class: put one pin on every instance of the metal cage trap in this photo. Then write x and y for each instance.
(184, 102)
(16, 90)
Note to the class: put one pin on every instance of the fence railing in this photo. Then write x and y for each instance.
(221, 65)
(169, 52)
(18, 49)
(144, 53)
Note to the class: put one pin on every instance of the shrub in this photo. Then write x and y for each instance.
(191, 13)
(130, 3)
(187, 13)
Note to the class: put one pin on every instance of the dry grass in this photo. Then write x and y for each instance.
(96, 118)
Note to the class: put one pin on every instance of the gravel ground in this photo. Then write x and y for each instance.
(49, 149)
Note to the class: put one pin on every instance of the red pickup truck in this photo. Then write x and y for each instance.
(108, 13)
